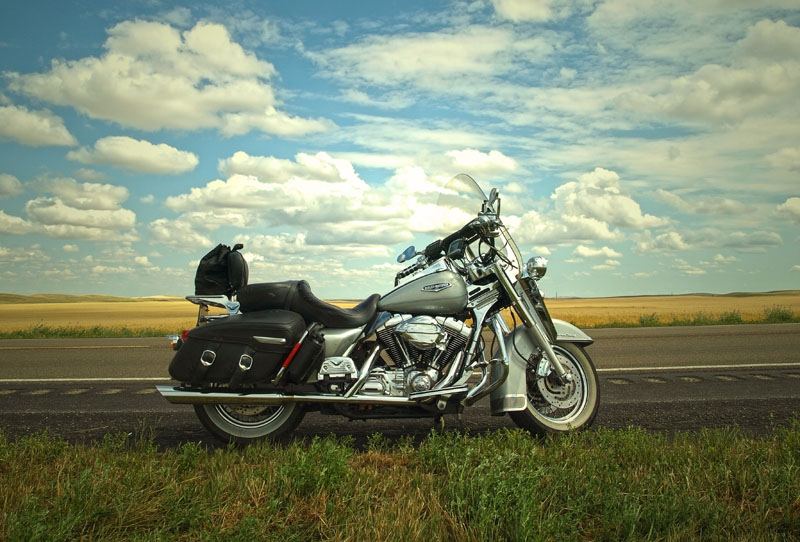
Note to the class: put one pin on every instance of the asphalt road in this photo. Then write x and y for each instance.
(656, 378)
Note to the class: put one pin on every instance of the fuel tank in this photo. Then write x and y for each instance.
(435, 294)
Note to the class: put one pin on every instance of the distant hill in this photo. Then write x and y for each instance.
(65, 298)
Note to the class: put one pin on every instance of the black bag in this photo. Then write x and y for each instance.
(240, 349)
(221, 271)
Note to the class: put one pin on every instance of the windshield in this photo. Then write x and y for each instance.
(461, 193)
(463, 196)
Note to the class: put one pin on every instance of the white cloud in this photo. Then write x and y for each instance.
(787, 158)
(687, 269)
(54, 212)
(590, 252)
(554, 230)
(599, 195)
(35, 128)
(15, 225)
(480, 163)
(153, 76)
(95, 196)
(772, 40)
(111, 270)
(179, 234)
(70, 248)
(763, 83)
(10, 185)
(607, 266)
(91, 175)
(455, 61)
(707, 238)
(707, 205)
(790, 209)
(136, 155)
(523, 10)
(720, 259)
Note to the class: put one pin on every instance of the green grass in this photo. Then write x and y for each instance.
(772, 315)
(597, 485)
(42, 331)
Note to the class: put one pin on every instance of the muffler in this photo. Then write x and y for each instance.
(182, 396)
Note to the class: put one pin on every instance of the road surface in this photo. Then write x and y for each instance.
(682, 378)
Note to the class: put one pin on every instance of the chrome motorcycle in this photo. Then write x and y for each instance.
(438, 342)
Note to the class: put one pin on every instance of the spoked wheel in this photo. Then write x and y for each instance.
(557, 408)
(247, 423)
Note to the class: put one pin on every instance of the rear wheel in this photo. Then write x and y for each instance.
(558, 408)
(243, 424)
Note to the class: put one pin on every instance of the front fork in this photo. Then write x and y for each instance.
(533, 325)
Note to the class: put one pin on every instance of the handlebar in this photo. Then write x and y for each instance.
(435, 249)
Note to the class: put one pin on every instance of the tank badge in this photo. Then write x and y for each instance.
(438, 287)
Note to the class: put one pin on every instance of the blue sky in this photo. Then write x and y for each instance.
(644, 147)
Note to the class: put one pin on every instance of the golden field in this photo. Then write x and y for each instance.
(175, 314)
(596, 312)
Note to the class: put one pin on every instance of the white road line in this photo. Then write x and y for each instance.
(697, 367)
(617, 370)
(46, 380)
(107, 347)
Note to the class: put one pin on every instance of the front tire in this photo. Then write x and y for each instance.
(553, 408)
(243, 424)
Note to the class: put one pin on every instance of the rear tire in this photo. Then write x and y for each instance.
(553, 408)
(243, 424)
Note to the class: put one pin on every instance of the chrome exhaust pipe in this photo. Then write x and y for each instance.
(181, 396)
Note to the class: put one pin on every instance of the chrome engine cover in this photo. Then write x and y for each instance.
(420, 348)
(422, 332)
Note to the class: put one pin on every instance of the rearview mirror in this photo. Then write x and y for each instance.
(407, 254)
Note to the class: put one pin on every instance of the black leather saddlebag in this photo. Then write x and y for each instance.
(241, 349)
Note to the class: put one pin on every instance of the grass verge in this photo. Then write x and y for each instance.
(598, 485)
(43, 331)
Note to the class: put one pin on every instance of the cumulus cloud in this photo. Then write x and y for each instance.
(10, 185)
(136, 155)
(762, 80)
(599, 195)
(591, 252)
(790, 209)
(180, 234)
(153, 76)
(75, 211)
(54, 212)
(84, 195)
(35, 128)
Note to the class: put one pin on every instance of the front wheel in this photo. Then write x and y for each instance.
(243, 424)
(558, 408)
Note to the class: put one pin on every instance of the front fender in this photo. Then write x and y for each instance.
(568, 333)
(512, 395)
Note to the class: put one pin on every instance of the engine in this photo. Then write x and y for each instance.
(419, 348)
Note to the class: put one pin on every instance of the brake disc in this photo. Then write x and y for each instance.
(561, 395)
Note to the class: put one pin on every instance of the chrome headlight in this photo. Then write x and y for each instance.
(537, 267)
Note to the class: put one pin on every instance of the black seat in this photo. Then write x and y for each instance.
(296, 296)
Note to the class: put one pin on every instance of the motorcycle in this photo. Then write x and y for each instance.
(436, 343)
